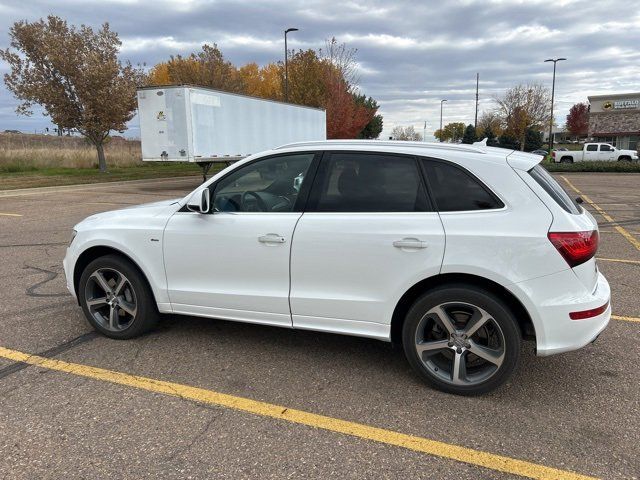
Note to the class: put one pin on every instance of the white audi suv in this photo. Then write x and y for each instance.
(456, 252)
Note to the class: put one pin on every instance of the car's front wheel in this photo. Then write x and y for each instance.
(116, 298)
(461, 339)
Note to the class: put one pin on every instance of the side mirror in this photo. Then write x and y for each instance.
(199, 201)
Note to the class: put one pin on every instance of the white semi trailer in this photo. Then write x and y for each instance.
(202, 125)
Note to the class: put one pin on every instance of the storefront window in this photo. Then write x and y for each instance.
(623, 143)
(633, 142)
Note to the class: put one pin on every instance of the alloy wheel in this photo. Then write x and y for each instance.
(111, 299)
(460, 343)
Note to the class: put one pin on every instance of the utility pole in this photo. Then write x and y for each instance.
(553, 89)
(441, 102)
(286, 64)
(475, 124)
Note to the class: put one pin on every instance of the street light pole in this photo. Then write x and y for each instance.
(553, 89)
(441, 102)
(286, 66)
(475, 124)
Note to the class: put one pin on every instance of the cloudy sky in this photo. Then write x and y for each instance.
(411, 53)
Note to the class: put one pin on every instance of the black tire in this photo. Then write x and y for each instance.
(566, 160)
(135, 296)
(460, 302)
(624, 159)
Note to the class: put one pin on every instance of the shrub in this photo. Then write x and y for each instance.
(623, 167)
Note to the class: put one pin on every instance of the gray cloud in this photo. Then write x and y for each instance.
(412, 54)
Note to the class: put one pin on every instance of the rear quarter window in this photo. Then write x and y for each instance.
(553, 188)
(456, 190)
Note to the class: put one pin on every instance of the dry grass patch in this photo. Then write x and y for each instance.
(23, 153)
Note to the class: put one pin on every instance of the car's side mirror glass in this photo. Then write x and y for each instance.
(200, 201)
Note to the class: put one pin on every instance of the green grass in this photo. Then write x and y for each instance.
(621, 167)
(16, 175)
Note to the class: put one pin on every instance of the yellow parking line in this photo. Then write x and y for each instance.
(625, 319)
(634, 241)
(618, 260)
(359, 430)
(10, 214)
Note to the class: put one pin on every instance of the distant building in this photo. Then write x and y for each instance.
(615, 119)
(560, 135)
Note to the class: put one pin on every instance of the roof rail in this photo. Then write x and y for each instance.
(389, 143)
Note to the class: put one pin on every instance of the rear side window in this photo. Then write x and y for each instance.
(358, 182)
(553, 188)
(592, 148)
(455, 190)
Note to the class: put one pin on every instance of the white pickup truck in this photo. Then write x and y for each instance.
(594, 152)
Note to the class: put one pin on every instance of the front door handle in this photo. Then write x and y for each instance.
(271, 238)
(409, 243)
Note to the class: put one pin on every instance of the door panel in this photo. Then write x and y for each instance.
(344, 266)
(222, 265)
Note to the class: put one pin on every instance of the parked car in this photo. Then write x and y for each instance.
(595, 152)
(457, 252)
(540, 152)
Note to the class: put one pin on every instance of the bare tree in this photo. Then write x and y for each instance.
(74, 73)
(491, 120)
(406, 133)
(523, 107)
(343, 59)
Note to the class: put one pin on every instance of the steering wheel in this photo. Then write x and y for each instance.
(262, 207)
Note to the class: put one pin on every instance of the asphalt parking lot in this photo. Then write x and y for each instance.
(346, 407)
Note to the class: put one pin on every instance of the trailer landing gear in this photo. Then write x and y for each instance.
(205, 166)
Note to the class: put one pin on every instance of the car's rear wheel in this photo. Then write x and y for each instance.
(461, 339)
(116, 298)
(566, 160)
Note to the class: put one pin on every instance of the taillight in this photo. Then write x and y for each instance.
(575, 247)
(553, 154)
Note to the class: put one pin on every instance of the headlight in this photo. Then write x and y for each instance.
(73, 235)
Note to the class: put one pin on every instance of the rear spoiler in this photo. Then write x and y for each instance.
(515, 159)
(523, 161)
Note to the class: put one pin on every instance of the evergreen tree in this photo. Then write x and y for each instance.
(508, 141)
(490, 136)
(532, 140)
(469, 135)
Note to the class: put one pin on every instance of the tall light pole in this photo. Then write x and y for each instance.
(553, 89)
(286, 66)
(441, 102)
(475, 124)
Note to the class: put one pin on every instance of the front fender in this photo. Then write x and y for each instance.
(141, 246)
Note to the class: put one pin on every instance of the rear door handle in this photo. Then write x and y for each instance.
(271, 238)
(409, 243)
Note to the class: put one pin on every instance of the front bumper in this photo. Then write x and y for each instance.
(552, 298)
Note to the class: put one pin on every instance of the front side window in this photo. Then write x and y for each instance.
(359, 182)
(455, 190)
(269, 185)
(605, 148)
